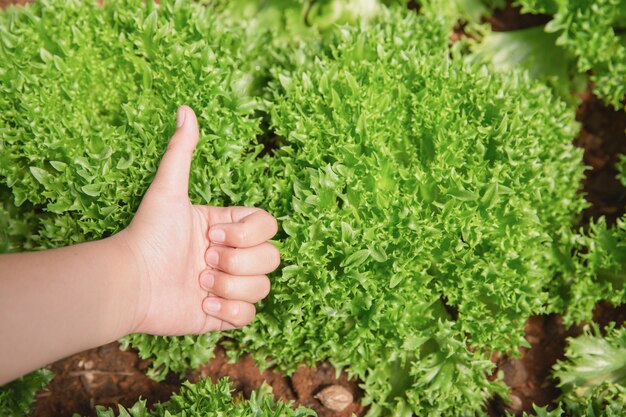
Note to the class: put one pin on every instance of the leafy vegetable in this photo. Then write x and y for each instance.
(412, 184)
(426, 203)
(205, 398)
(75, 144)
(303, 18)
(18, 226)
(594, 33)
(17, 397)
(173, 353)
(543, 412)
(535, 51)
(596, 272)
(593, 360)
(593, 376)
(588, 34)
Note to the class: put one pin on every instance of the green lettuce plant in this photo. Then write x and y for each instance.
(593, 375)
(542, 412)
(597, 271)
(533, 50)
(18, 225)
(81, 131)
(205, 398)
(583, 37)
(17, 397)
(168, 354)
(426, 203)
(403, 168)
(303, 18)
(593, 31)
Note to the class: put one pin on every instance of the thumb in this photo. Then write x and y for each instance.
(173, 172)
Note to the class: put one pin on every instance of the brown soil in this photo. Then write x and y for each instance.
(109, 376)
(511, 18)
(603, 137)
(606, 313)
(529, 376)
(103, 376)
(301, 387)
(6, 3)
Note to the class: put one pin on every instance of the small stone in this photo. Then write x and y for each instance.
(335, 397)
(516, 403)
(88, 380)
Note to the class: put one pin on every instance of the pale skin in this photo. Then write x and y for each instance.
(177, 269)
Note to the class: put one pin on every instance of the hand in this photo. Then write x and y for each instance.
(201, 268)
(176, 269)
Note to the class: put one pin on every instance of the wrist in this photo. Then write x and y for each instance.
(130, 283)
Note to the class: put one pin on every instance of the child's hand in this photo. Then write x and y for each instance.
(200, 268)
(177, 269)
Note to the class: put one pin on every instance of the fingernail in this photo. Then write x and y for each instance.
(213, 305)
(207, 281)
(217, 235)
(212, 258)
(180, 117)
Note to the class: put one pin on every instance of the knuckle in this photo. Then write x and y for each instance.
(224, 286)
(241, 235)
(232, 262)
(235, 312)
(243, 313)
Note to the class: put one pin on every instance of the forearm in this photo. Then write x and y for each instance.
(58, 302)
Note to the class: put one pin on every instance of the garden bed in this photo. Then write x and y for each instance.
(108, 375)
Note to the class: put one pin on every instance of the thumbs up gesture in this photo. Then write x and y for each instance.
(200, 268)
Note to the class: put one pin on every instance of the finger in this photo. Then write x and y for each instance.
(249, 231)
(173, 172)
(213, 324)
(230, 214)
(259, 260)
(237, 313)
(244, 288)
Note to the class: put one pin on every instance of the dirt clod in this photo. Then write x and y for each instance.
(516, 405)
(335, 397)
